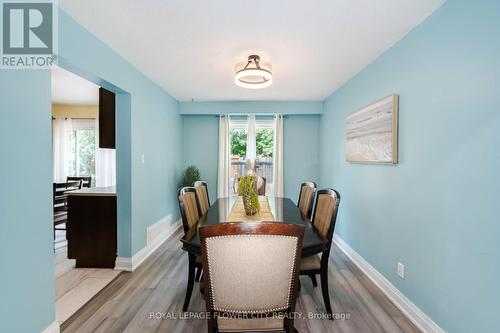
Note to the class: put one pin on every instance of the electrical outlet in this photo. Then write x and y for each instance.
(401, 270)
(142, 158)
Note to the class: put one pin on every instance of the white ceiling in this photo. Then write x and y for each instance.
(68, 88)
(190, 47)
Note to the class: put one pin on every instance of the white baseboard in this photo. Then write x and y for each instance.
(53, 328)
(410, 310)
(156, 235)
(123, 264)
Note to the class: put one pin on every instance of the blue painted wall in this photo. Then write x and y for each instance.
(124, 173)
(300, 152)
(147, 122)
(300, 155)
(26, 238)
(154, 126)
(200, 138)
(245, 107)
(437, 210)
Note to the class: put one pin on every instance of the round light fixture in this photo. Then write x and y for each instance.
(253, 76)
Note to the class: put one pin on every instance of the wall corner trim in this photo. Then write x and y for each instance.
(52, 328)
(130, 264)
(409, 309)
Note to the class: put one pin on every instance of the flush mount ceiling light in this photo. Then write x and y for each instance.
(253, 76)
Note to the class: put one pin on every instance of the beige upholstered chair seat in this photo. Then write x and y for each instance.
(260, 282)
(251, 270)
(250, 325)
(191, 208)
(309, 263)
(305, 200)
(201, 192)
(323, 214)
(188, 206)
(261, 185)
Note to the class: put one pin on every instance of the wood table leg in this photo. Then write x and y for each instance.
(190, 285)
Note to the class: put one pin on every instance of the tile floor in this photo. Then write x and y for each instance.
(75, 286)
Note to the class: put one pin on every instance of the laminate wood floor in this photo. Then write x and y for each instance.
(157, 289)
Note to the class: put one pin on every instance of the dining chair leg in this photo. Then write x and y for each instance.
(198, 274)
(289, 328)
(190, 285)
(324, 290)
(314, 281)
(211, 325)
(202, 287)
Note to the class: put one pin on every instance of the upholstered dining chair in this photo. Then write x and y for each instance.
(60, 203)
(261, 185)
(86, 180)
(188, 206)
(325, 215)
(306, 198)
(247, 288)
(202, 194)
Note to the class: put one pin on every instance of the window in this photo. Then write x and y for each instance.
(264, 144)
(83, 148)
(238, 142)
(264, 148)
(264, 139)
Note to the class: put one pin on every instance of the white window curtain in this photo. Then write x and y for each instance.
(61, 148)
(105, 163)
(251, 146)
(223, 183)
(278, 156)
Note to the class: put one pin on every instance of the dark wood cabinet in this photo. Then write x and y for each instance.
(107, 111)
(92, 230)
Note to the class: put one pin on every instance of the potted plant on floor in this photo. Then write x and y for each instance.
(189, 176)
(247, 188)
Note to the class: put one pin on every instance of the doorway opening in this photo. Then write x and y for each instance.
(79, 165)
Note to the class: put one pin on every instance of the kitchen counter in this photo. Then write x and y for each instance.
(92, 227)
(95, 191)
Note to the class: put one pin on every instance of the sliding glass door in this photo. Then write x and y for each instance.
(252, 147)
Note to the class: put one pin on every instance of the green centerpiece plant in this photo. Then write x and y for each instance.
(247, 188)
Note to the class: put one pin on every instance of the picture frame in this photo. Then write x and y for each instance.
(372, 132)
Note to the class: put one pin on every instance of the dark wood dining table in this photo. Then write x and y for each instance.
(284, 210)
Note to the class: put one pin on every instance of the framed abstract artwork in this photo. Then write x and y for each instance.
(372, 133)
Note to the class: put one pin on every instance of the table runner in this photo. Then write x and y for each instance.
(237, 213)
